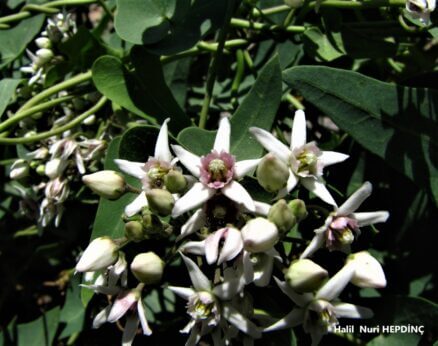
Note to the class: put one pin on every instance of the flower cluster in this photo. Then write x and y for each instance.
(239, 237)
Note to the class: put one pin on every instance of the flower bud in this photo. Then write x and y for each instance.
(100, 254)
(44, 55)
(43, 42)
(175, 181)
(281, 215)
(299, 209)
(259, 235)
(19, 169)
(368, 273)
(107, 184)
(55, 167)
(134, 231)
(272, 173)
(147, 268)
(160, 201)
(305, 275)
(41, 169)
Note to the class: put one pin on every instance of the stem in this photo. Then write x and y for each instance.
(293, 101)
(271, 10)
(246, 24)
(57, 130)
(240, 70)
(214, 63)
(132, 189)
(354, 4)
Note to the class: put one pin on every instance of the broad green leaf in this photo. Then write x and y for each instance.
(257, 109)
(14, 41)
(394, 122)
(41, 331)
(176, 74)
(319, 46)
(138, 143)
(7, 90)
(73, 312)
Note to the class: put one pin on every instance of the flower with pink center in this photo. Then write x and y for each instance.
(217, 172)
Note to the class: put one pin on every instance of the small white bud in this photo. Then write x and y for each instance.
(43, 42)
(55, 167)
(305, 275)
(100, 254)
(147, 268)
(44, 55)
(368, 272)
(259, 235)
(272, 173)
(19, 169)
(107, 184)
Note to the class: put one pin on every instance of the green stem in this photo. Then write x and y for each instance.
(57, 130)
(293, 101)
(362, 4)
(246, 24)
(215, 62)
(240, 70)
(270, 10)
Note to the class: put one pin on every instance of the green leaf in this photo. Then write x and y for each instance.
(257, 109)
(394, 122)
(73, 312)
(7, 90)
(14, 41)
(41, 331)
(138, 143)
(319, 46)
(176, 74)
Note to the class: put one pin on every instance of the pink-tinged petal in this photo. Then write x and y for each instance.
(191, 161)
(370, 218)
(101, 317)
(328, 158)
(238, 194)
(134, 169)
(316, 243)
(193, 224)
(242, 168)
(262, 208)
(136, 205)
(240, 321)
(232, 246)
(122, 304)
(199, 280)
(130, 330)
(298, 130)
(271, 144)
(228, 289)
(194, 247)
(162, 150)
(299, 299)
(318, 188)
(142, 317)
(183, 292)
(212, 245)
(356, 199)
(197, 195)
(222, 140)
(292, 319)
(352, 311)
(333, 288)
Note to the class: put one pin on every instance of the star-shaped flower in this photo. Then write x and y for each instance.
(305, 160)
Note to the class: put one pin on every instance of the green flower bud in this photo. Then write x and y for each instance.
(282, 216)
(44, 55)
(305, 275)
(41, 169)
(299, 209)
(259, 235)
(272, 173)
(175, 181)
(107, 184)
(134, 231)
(160, 201)
(147, 268)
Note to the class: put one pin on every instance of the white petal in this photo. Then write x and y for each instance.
(134, 169)
(222, 140)
(292, 181)
(319, 189)
(191, 161)
(352, 311)
(212, 245)
(238, 194)
(197, 195)
(299, 299)
(162, 150)
(248, 268)
(271, 144)
(333, 288)
(316, 243)
(130, 330)
(328, 158)
(298, 130)
(229, 289)
(142, 318)
(242, 168)
(262, 208)
(262, 276)
(232, 246)
(193, 224)
(183, 292)
(121, 305)
(240, 321)
(199, 280)
(194, 247)
(356, 199)
(292, 319)
(370, 218)
(136, 205)
(101, 317)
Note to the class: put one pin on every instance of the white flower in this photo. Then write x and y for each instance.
(342, 226)
(217, 172)
(305, 160)
(209, 306)
(150, 173)
(99, 254)
(319, 312)
(421, 9)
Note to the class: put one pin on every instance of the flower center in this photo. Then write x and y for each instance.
(305, 160)
(201, 306)
(341, 232)
(217, 169)
(155, 172)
